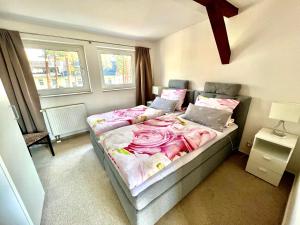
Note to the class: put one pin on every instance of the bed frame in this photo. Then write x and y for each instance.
(151, 204)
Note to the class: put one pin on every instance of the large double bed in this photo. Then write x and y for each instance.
(147, 200)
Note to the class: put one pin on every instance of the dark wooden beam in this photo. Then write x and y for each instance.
(216, 9)
(203, 2)
(228, 10)
(219, 29)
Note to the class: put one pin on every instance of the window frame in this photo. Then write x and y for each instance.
(116, 51)
(58, 46)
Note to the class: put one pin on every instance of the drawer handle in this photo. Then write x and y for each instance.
(267, 158)
(262, 169)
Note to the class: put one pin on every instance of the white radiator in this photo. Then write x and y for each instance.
(65, 120)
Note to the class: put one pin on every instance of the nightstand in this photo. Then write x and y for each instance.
(270, 155)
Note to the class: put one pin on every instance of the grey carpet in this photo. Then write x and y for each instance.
(78, 192)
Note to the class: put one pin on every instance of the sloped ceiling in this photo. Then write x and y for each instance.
(138, 19)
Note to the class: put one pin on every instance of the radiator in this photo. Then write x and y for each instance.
(65, 120)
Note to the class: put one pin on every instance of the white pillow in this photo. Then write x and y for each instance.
(217, 103)
(174, 94)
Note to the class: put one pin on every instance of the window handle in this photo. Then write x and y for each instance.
(15, 111)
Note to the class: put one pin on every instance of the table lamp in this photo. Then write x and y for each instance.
(284, 112)
(156, 90)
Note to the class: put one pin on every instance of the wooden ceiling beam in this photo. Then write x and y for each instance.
(220, 33)
(228, 10)
(216, 9)
(203, 2)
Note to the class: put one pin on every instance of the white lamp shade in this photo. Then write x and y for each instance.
(285, 111)
(156, 90)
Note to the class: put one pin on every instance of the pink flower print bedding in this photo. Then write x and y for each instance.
(101, 123)
(217, 103)
(142, 150)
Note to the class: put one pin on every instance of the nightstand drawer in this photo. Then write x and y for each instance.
(267, 161)
(264, 173)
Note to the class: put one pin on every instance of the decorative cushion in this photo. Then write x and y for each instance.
(222, 88)
(217, 103)
(210, 117)
(174, 94)
(164, 104)
(34, 137)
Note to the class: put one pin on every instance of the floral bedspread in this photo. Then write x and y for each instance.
(142, 150)
(101, 123)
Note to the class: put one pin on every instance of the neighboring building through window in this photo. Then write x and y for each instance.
(57, 68)
(41, 82)
(117, 68)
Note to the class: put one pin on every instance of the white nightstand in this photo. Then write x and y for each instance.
(270, 155)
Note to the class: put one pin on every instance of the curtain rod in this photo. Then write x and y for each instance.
(77, 39)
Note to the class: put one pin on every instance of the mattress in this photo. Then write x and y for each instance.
(140, 196)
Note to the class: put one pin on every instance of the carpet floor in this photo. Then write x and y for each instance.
(78, 192)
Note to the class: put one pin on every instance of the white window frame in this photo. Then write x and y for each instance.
(86, 88)
(116, 51)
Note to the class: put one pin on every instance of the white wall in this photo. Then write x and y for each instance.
(97, 101)
(265, 41)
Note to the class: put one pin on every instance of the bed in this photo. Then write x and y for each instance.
(145, 203)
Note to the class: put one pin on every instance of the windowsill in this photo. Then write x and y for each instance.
(65, 94)
(117, 89)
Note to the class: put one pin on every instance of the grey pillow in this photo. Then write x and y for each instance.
(213, 118)
(164, 104)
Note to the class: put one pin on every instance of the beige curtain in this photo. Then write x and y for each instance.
(18, 82)
(143, 75)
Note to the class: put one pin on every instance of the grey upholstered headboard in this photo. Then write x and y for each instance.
(178, 84)
(226, 90)
(219, 90)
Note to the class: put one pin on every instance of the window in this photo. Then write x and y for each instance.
(117, 68)
(57, 68)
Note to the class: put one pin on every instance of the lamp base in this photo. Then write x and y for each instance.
(280, 132)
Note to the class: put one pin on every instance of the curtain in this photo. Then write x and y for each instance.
(18, 82)
(143, 75)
